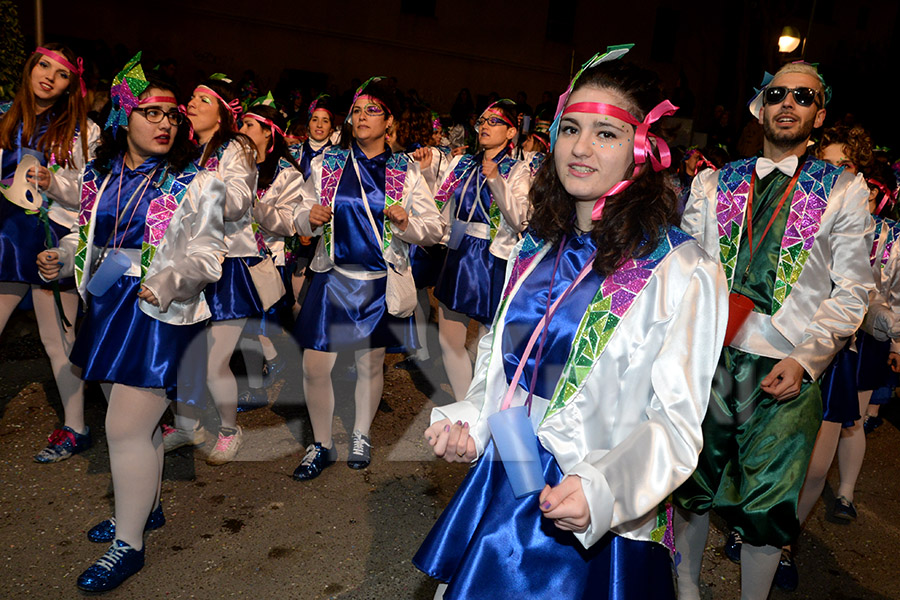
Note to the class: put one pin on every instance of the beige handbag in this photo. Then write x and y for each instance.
(400, 288)
(267, 281)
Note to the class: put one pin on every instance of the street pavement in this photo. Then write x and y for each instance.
(247, 530)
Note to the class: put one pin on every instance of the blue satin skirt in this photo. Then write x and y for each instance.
(471, 281)
(840, 398)
(426, 264)
(234, 296)
(119, 343)
(489, 544)
(874, 372)
(340, 313)
(21, 240)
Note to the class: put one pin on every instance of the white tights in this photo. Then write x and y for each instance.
(135, 456)
(758, 563)
(819, 463)
(319, 391)
(452, 330)
(852, 450)
(221, 338)
(57, 342)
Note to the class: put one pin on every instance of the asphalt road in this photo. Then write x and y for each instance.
(247, 530)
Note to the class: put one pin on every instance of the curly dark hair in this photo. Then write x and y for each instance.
(634, 220)
(114, 141)
(856, 142)
(277, 145)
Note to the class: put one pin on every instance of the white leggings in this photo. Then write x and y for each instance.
(452, 330)
(319, 391)
(135, 456)
(57, 342)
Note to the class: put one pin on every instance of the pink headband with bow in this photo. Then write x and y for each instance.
(889, 195)
(234, 107)
(78, 70)
(643, 146)
(270, 123)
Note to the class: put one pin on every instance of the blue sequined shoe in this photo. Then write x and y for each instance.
(119, 563)
(62, 444)
(733, 547)
(105, 531)
(316, 460)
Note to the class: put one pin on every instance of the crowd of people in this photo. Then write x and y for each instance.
(671, 331)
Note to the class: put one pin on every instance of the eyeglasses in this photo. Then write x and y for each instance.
(803, 96)
(371, 109)
(492, 121)
(155, 115)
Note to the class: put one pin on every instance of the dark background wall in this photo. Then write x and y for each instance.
(719, 49)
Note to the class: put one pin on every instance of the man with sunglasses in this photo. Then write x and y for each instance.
(793, 235)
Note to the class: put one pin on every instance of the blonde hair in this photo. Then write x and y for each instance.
(805, 69)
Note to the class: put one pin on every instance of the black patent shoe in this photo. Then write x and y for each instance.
(733, 547)
(316, 460)
(105, 531)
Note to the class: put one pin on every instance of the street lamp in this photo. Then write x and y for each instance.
(789, 40)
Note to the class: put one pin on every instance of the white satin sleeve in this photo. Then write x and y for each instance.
(890, 277)
(841, 314)
(65, 184)
(511, 196)
(310, 192)
(238, 172)
(696, 220)
(275, 210)
(426, 225)
(196, 249)
(627, 482)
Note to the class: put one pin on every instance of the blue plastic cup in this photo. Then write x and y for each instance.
(518, 448)
(114, 265)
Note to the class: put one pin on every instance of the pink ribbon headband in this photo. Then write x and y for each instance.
(78, 70)
(270, 123)
(643, 147)
(234, 107)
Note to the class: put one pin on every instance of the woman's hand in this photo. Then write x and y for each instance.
(319, 215)
(423, 156)
(566, 505)
(489, 168)
(42, 178)
(459, 150)
(452, 442)
(147, 296)
(48, 264)
(397, 215)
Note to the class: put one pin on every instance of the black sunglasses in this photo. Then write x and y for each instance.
(803, 96)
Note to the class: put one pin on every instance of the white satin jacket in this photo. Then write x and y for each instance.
(189, 256)
(632, 430)
(274, 211)
(424, 228)
(828, 301)
(239, 175)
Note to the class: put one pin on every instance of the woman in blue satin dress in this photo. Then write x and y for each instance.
(47, 121)
(485, 199)
(148, 209)
(213, 112)
(368, 204)
(617, 384)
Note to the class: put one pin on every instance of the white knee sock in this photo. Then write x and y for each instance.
(691, 531)
(758, 566)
